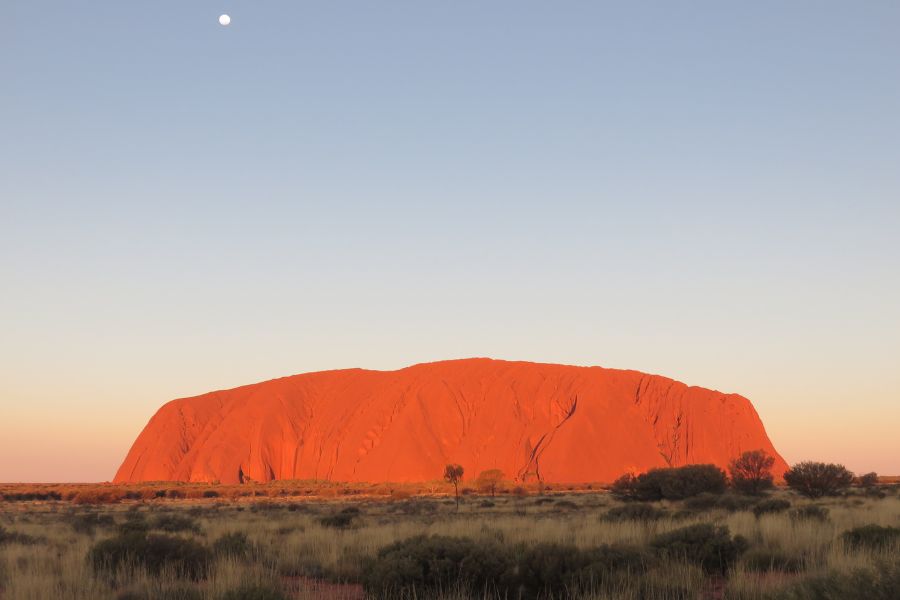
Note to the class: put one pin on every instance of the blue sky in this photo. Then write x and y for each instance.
(705, 190)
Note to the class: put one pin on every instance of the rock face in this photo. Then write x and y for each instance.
(533, 421)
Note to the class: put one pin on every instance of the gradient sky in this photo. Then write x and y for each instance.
(705, 190)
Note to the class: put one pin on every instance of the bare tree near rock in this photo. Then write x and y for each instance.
(751, 472)
(453, 474)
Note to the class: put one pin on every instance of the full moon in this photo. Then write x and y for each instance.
(224, 20)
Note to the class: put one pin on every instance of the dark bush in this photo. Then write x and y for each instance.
(729, 502)
(486, 504)
(134, 523)
(615, 558)
(235, 545)
(638, 511)
(815, 479)
(338, 521)
(153, 552)
(14, 537)
(180, 592)
(771, 505)
(874, 537)
(765, 559)
(173, 523)
(566, 505)
(87, 523)
(708, 546)
(425, 563)
(210, 494)
(671, 484)
(810, 512)
(255, 592)
(880, 583)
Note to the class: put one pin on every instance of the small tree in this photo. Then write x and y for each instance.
(489, 480)
(453, 474)
(868, 480)
(815, 479)
(751, 473)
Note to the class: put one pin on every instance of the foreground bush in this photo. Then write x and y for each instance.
(671, 484)
(174, 523)
(14, 537)
(770, 506)
(815, 479)
(234, 545)
(874, 537)
(880, 583)
(179, 592)
(186, 558)
(423, 566)
(765, 559)
(426, 563)
(708, 546)
(87, 523)
(729, 502)
(638, 511)
(255, 592)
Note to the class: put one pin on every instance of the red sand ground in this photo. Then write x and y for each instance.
(533, 421)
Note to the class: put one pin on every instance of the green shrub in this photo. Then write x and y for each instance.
(179, 592)
(235, 545)
(422, 566)
(87, 523)
(671, 484)
(255, 592)
(729, 502)
(880, 583)
(424, 563)
(153, 552)
(815, 479)
(708, 546)
(337, 521)
(737, 502)
(766, 559)
(616, 558)
(639, 511)
(14, 537)
(810, 512)
(174, 523)
(771, 505)
(874, 537)
(547, 569)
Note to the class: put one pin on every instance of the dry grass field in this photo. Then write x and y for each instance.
(266, 544)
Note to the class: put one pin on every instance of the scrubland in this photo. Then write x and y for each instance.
(264, 543)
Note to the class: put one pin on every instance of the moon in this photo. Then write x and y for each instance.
(224, 20)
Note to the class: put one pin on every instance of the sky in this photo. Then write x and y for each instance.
(708, 191)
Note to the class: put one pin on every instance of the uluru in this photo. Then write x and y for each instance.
(533, 421)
